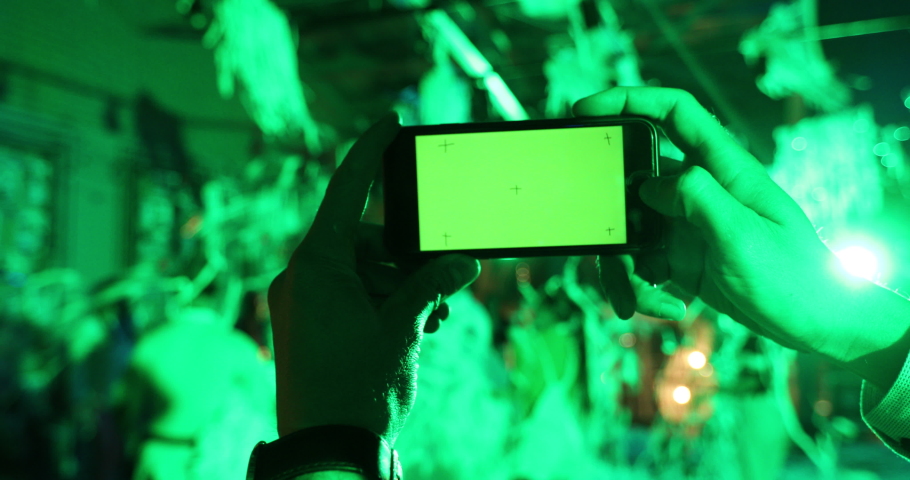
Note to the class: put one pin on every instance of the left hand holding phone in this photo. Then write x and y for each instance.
(347, 324)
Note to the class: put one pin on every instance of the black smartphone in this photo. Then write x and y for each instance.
(520, 189)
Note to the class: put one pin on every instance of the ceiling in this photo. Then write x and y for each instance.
(356, 56)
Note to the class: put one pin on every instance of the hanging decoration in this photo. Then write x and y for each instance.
(460, 388)
(438, 25)
(567, 385)
(794, 61)
(612, 368)
(828, 165)
(256, 57)
(410, 4)
(548, 9)
(444, 92)
(25, 213)
(250, 222)
(891, 151)
(595, 59)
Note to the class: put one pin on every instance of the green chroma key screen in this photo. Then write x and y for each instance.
(529, 188)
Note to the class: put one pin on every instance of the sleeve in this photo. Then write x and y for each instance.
(887, 412)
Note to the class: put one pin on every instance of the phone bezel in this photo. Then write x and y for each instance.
(399, 178)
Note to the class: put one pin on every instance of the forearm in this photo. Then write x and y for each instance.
(872, 336)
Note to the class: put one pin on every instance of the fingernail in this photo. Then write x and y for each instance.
(468, 269)
(672, 311)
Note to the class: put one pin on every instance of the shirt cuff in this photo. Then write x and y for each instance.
(888, 412)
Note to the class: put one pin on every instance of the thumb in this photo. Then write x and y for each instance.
(427, 288)
(696, 196)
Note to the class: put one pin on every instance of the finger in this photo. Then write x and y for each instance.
(613, 272)
(380, 280)
(655, 302)
(370, 245)
(333, 232)
(696, 196)
(424, 291)
(687, 123)
(669, 166)
(277, 313)
(275, 289)
(653, 266)
(432, 324)
(410, 266)
(434, 321)
(699, 135)
(443, 311)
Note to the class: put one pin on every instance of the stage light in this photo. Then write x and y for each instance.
(682, 395)
(881, 149)
(697, 360)
(707, 371)
(627, 340)
(523, 273)
(902, 134)
(858, 261)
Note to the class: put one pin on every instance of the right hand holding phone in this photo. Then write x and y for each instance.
(733, 237)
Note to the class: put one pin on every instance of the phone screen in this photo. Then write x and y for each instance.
(526, 188)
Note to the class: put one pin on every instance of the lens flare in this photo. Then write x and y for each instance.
(682, 395)
(697, 360)
(859, 261)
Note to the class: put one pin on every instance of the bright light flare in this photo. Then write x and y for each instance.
(697, 360)
(858, 261)
(682, 395)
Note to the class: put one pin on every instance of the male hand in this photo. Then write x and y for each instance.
(347, 324)
(733, 237)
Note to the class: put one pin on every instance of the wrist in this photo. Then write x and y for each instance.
(334, 475)
(329, 450)
(379, 419)
(871, 335)
(344, 419)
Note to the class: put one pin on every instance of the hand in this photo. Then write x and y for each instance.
(347, 324)
(733, 237)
